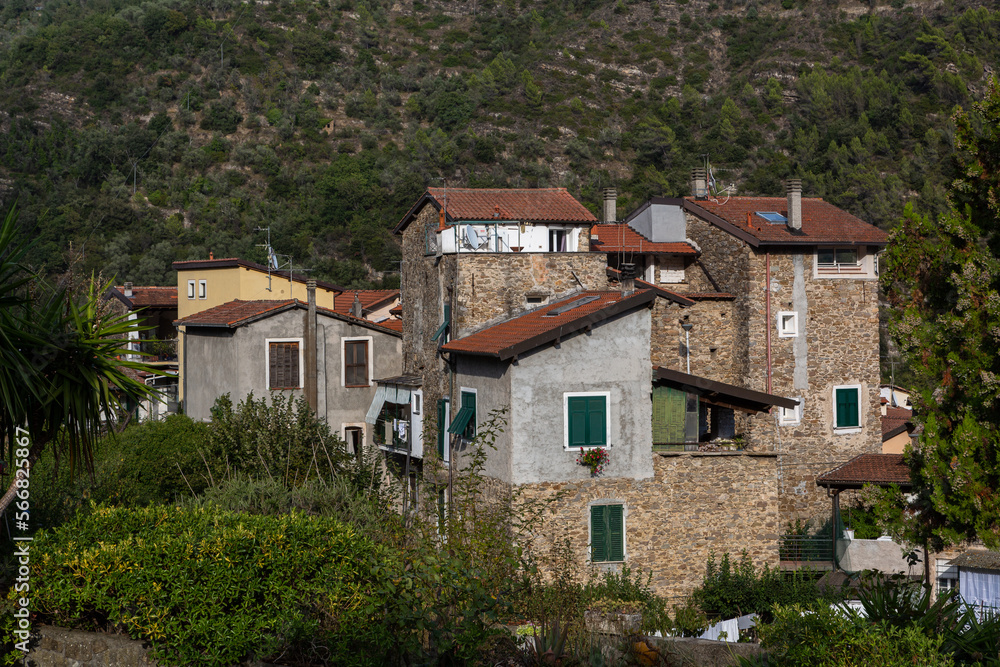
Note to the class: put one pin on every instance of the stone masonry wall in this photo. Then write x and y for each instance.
(492, 287)
(712, 338)
(696, 504)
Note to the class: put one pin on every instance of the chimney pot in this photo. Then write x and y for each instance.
(211, 255)
(356, 309)
(610, 205)
(699, 183)
(793, 188)
(628, 278)
(128, 290)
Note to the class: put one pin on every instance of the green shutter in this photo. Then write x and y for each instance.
(442, 417)
(668, 415)
(597, 421)
(444, 325)
(847, 407)
(469, 401)
(616, 532)
(598, 534)
(576, 406)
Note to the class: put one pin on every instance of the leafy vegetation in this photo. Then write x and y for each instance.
(137, 132)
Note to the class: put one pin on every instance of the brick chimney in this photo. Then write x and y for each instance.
(699, 183)
(610, 205)
(793, 188)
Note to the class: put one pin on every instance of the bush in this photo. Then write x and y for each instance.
(730, 590)
(221, 116)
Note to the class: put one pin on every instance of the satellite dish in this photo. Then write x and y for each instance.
(272, 258)
(471, 237)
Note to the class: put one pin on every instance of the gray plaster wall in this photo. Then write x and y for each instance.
(613, 357)
(235, 362)
(490, 378)
(661, 223)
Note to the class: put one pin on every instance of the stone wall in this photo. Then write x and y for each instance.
(712, 338)
(59, 647)
(492, 287)
(695, 504)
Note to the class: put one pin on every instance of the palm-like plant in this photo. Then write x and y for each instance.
(60, 373)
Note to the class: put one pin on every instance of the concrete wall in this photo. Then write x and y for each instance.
(613, 357)
(490, 378)
(695, 504)
(235, 362)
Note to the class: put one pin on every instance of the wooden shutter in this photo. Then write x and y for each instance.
(598, 534)
(469, 401)
(847, 407)
(356, 363)
(668, 415)
(283, 365)
(616, 532)
(597, 425)
(576, 408)
(442, 417)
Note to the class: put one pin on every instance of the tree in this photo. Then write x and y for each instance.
(61, 380)
(943, 281)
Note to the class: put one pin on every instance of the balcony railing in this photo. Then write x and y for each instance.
(805, 548)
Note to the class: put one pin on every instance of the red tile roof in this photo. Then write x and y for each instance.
(882, 469)
(238, 313)
(153, 297)
(526, 332)
(371, 299)
(522, 205)
(622, 238)
(614, 279)
(821, 222)
(395, 325)
(895, 421)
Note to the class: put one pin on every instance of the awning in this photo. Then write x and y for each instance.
(720, 393)
(461, 420)
(396, 394)
(376, 407)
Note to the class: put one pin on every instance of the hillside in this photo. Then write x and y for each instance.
(135, 133)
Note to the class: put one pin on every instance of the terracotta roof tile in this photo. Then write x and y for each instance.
(821, 222)
(894, 420)
(369, 298)
(395, 325)
(868, 469)
(523, 205)
(154, 297)
(528, 331)
(622, 238)
(237, 313)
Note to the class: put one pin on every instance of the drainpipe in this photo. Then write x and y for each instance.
(311, 382)
(767, 327)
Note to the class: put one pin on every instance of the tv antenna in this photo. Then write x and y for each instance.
(275, 261)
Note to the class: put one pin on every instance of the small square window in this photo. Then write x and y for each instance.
(788, 324)
(790, 416)
(607, 533)
(190, 289)
(846, 407)
(202, 289)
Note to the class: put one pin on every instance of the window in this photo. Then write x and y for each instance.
(587, 423)
(202, 289)
(190, 289)
(356, 363)
(790, 416)
(788, 324)
(354, 436)
(443, 425)
(607, 533)
(557, 240)
(846, 262)
(846, 412)
(418, 401)
(283, 363)
(464, 423)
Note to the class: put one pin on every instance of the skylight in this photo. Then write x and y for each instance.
(773, 217)
(576, 303)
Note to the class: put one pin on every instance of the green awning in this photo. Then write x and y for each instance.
(461, 420)
(440, 331)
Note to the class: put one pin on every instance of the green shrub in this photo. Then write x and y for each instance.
(221, 116)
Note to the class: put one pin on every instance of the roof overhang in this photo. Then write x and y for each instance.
(720, 393)
(235, 324)
(848, 476)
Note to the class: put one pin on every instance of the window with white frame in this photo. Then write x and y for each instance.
(586, 419)
(844, 262)
(790, 416)
(202, 289)
(788, 324)
(847, 407)
(284, 363)
(357, 366)
(191, 289)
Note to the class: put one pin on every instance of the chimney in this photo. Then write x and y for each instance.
(311, 386)
(793, 187)
(628, 278)
(610, 205)
(356, 309)
(211, 255)
(699, 183)
(128, 290)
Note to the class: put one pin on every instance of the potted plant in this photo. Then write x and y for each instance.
(595, 459)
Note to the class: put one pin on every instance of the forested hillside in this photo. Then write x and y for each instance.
(138, 132)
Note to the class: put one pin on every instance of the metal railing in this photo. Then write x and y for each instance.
(805, 548)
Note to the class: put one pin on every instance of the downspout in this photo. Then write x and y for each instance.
(767, 327)
(311, 383)
(184, 371)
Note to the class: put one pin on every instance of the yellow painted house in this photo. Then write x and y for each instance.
(204, 284)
